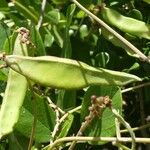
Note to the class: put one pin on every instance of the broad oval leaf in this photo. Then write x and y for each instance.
(105, 125)
(45, 119)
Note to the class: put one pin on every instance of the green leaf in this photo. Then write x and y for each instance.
(27, 11)
(66, 99)
(67, 49)
(86, 3)
(104, 126)
(45, 119)
(70, 13)
(17, 142)
(2, 16)
(58, 2)
(80, 14)
(147, 1)
(8, 45)
(57, 35)
(49, 39)
(136, 14)
(3, 3)
(4, 34)
(53, 16)
(66, 126)
(38, 42)
(3, 75)
(84, 32)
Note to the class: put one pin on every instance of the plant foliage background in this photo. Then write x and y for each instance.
(66, 31)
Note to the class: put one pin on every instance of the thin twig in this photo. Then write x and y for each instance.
(121, 120)
(118, 36)
(58, 123)
(136, 128)
(57, 112)
(52, 105)
(58, 119)
(74, 110)
(81, 130)
(42, 14)
(56, 126)
(135, 87)
(103, 139)
(118, 135)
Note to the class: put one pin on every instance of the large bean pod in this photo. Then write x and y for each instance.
(126, 24)
(14, 94)
(115, 41)
(12, 102)
(65, 73)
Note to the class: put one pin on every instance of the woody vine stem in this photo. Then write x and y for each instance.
(94, 139)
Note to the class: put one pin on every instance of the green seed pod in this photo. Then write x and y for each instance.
(65, 73)
(14, 94)
(115, 41)
(12, 102)
(126, 24)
